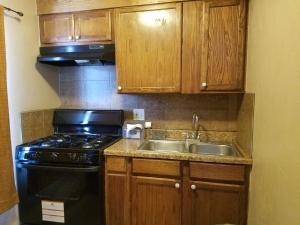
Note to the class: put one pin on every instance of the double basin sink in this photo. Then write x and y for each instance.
(188, 146)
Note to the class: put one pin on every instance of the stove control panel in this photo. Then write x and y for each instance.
(58, 157)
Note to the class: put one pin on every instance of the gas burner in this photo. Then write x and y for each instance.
(87, 146)
(60, 140)
(46, 144)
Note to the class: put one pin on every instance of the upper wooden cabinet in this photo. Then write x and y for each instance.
(213, 47)
(184, 47)
(56, 28)
(148, 48)
(92, 26)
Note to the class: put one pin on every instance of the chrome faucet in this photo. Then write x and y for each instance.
(195, 126)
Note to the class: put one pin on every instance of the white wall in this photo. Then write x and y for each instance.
(274, 75)
(27, 88)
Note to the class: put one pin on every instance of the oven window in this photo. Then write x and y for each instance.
(81, 194)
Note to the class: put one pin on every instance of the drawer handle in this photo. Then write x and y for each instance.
(70, 38)
(177, 185)
(77, 37)
(194, 187)
(119, 88)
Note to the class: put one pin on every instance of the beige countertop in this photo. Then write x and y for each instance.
(129, 148)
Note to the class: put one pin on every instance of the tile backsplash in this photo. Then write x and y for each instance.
(223, 117)
(94, 87)
(36, 124)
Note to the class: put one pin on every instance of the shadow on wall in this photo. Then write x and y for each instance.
(50, 75)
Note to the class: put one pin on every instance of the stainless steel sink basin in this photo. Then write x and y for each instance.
(212, 149)
(188, 147)
(163, 145)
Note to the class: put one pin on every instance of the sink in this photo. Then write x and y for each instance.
(188, 147)
(212, 149)
(163, 145)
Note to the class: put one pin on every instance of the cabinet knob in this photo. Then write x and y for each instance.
(204, 85)
(77, 37)
(119, 88)
(70, 38)
(177, 185)
(193, 187)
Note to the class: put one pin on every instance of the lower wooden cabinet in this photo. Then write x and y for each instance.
(155, 201)
(216, 203)
(115, 196)
(191, 194)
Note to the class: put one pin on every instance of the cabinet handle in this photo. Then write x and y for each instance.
(193, 187)
(204, 85)
(226, 224)
(119, 88)
(70, 38)
(77, 37)
(177, 185)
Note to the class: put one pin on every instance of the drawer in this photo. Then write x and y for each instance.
(156, 167)
(116, 164)
(221, 172)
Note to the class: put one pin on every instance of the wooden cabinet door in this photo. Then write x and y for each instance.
(56, 28)
(148, 48)
(215, 203)
(115, 199)
(93, 26)
(213, 46)
(156, 201)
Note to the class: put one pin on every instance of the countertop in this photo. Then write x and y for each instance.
(129, 148)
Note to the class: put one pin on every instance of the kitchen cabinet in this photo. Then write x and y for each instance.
(174, 192)
(156, 201)
(156, 187)
(56, 28)
(116, 191)
(148, 48)
(214, 34)
(216, 203)
(95, 26)
(76, 28)
(115, 209)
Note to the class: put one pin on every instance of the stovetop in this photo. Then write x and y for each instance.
(71, 142)
(66, 148)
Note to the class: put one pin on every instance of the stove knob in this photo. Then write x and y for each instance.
(83, 157)
(54, 155)
(37, 155)
(73, 156)
(34, 156)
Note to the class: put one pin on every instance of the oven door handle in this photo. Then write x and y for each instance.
(60, 168)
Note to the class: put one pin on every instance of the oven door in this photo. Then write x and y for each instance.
(52, 195)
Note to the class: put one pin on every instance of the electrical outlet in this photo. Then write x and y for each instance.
(138, 114)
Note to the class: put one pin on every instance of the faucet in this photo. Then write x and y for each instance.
(195, 126)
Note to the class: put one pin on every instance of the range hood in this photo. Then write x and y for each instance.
(78, 55)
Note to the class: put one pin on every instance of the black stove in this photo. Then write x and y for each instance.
(66, 148)
(61, 177)
(81, 137)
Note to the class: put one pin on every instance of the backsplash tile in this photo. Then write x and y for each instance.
(205, 136)
(36, 124)
(223, 117)
(94, 87)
